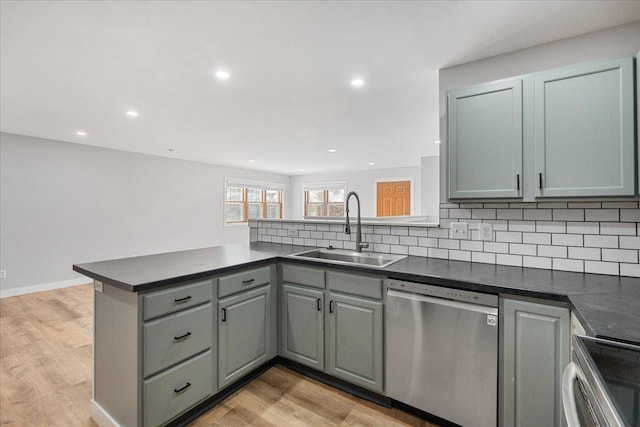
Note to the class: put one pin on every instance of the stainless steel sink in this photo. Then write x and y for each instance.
(342, 256)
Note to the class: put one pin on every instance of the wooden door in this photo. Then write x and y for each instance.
(394, 198)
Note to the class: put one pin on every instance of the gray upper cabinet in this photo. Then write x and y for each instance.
(584, 130)
(302, 325)
(244, 333)
(535, 350)
(485, 141)
(354, 340)
(638, 113)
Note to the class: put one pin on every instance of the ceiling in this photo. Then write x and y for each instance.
(81, 65)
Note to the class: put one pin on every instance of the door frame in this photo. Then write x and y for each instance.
(393, 179)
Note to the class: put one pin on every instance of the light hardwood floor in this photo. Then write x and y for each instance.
(45, 376)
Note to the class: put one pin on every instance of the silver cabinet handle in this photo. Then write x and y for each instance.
(569, 376)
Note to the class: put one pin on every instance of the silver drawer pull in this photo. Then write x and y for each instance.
(182, 300)
(181, 389)
(248, 282)
(181, 337)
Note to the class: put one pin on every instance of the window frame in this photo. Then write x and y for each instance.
(245, 185)
(324, 187)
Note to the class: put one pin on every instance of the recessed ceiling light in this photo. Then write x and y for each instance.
(357, 82)
(252, 161)
(371, 163)
(132, 113)
(222, 74)
(81, 133)
(438, 141)
(300, 170)
(332, 150)
(171, 150)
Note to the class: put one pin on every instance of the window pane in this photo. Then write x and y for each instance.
(254, 195)
(255, 210)
(336, 195)
(314, 209)
(234, 212)
(273, 211)
(316, 196)
(273, 196)
(234, 194)
(335, 209)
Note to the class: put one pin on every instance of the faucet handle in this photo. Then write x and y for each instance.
(347, 229)
(364, 245)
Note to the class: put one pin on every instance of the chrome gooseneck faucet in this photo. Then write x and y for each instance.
(347, 226)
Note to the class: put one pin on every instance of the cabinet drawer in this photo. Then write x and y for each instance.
(244, 280)
(355, 284)
(174, 338)
(176, 390)
(303, 275)
(170, 300)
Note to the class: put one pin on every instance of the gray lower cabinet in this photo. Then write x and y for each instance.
(584, 130)
(354, 340)
(535, 348)
(302, 325)
(485, 141)
(245, 331)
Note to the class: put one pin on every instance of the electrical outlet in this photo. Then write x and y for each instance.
(459, 230)
(3, 274)
(485, 231)
(292, 232)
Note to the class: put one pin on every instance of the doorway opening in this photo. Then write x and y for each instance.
(393, 197)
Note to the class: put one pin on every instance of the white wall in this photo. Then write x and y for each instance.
(65, 203)
(609, 43)
(430, 178)
(362, 182)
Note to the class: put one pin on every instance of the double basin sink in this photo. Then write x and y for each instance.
(343, 256)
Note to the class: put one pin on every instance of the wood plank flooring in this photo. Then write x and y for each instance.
(45, 376)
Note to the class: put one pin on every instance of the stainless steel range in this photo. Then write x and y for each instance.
(442, 351)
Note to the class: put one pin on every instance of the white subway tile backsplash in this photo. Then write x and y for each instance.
(566, 239)
(446, 223)
(444, 213)
(322, 227)
(276, 239)
(528, 226)
(460, 255)
(505, 259)
(552, 251)
(417, 251)
(409, 240)
(400, 231)
(378, 229)
(537, 238)
(520, 249)
(459, 213)
(483, 213)
(309, 227)
(620, 205)
(628, 242)
(538, 214)
(602, 214)
(551, 226)
(520, 205)
(483, 257)
(585, 205)
(632, 270)
(620, 255)
(449, 244)
(568, 214)
(439, 233)
(599, 267)
(449, 205)
(470, 245)
(470, 205)
(298, 241)
(568, 264)
(399, 249)
(601, 241)
(391, 240)
(330, 235)
(508, 236)
(583, 227)
(493, 205)
(438, 253)
(337, 244)
(496, 247)
(351, 246)
(618, 228)
(418, 232)
(509, 214)
(536, 262)
(381, 247)
(316, 234)
(585, 253)
(428, 242)
(552, 205)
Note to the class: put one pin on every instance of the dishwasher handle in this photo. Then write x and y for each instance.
(569, 376)
(391, 293)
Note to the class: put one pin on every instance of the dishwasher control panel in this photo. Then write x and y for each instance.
(442, 292)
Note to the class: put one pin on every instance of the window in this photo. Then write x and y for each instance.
(246, 200)
(324, 199)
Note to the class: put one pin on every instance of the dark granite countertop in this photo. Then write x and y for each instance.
(608, 306)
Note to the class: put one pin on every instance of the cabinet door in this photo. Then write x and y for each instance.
(244, 333)
(485, 141)
(584, 130)
(535, 351)
(302, 328)
(354, 341)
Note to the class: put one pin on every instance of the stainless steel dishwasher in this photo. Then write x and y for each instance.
(442, 351)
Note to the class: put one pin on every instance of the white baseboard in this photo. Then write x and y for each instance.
(101, 417)
(6, 293)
